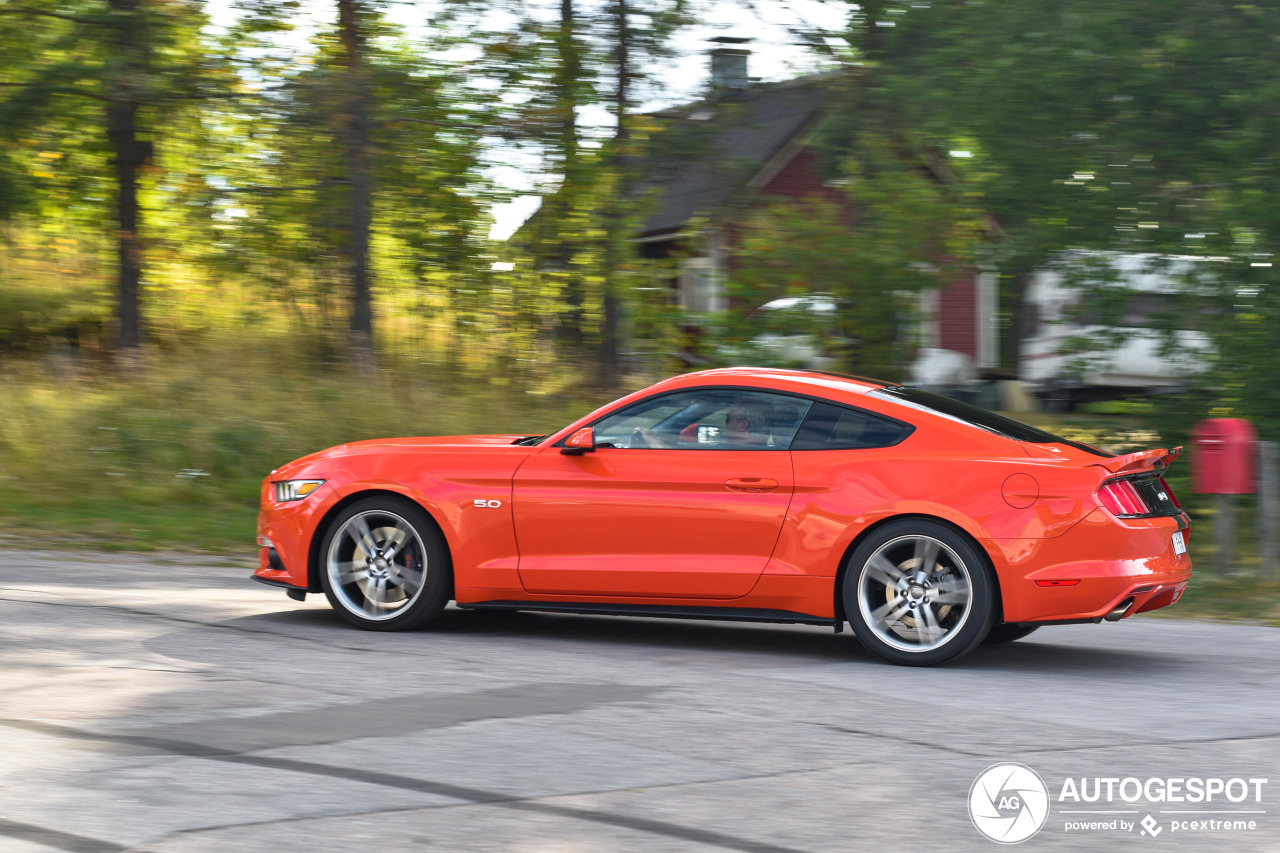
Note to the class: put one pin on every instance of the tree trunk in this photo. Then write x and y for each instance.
(873, 12)
(354, 132)
(568, 75)
(567, 83)
(1019, 315)
(608, 366)
(129, 154)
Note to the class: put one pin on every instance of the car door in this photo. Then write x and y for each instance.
(682, 498)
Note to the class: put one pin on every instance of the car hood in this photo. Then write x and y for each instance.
(355, 448)
(425, 441)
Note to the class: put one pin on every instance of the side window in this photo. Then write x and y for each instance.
(618, 429)
(710, 419)
(837, 428)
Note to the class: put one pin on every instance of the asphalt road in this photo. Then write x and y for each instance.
(173, 705)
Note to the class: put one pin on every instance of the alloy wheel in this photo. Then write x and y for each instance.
(376, 565)
(915, 593)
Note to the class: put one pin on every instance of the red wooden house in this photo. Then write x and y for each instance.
(753, 145)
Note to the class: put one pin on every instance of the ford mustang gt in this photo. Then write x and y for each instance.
(928, 525)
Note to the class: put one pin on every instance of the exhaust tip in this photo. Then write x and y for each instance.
(1119, 613)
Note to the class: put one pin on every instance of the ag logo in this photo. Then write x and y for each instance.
(1008, 803)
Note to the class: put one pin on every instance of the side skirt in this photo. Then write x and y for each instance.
(728, 614)
(1094, 621)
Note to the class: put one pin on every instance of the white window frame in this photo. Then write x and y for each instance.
(699, 289)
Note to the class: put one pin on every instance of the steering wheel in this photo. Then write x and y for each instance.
(638, 439)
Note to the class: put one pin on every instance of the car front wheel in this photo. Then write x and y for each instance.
(917, 592)
(385, 566)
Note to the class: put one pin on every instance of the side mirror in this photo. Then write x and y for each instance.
(582, 441)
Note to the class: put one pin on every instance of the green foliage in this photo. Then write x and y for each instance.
(281, 201)
(1243, 379)
(788, 249)
(63, 63)
(891, 231)
(36, 313)
(1134, 126)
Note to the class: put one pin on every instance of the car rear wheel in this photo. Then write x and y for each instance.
(1007, 633)
(384, 565)
(917, 592)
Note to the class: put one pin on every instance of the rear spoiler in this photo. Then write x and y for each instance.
(1143, 460)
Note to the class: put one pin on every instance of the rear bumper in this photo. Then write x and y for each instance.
(1092, 570)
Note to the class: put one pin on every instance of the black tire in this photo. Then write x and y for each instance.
(384, 565)
(1007, 632)
(919, 593)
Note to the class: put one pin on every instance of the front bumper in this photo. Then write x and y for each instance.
(284, 538)
(1092, 570)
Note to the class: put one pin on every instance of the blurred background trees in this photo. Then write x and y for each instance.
(91, 90)
(1131, 127)
(163, 177)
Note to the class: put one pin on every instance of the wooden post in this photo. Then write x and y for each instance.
(1223, 532)
(1268, 503)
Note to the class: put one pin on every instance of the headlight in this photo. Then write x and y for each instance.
(294, 490)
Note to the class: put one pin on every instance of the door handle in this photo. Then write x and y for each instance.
(751, 484)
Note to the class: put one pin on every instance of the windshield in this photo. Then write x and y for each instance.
(978, 417)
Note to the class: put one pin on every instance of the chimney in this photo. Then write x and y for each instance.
(729, 65)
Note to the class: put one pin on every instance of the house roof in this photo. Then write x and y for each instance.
(711, 149)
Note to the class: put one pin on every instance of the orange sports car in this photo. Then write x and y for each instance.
(929, 525)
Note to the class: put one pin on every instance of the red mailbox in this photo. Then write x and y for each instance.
(1222, 457)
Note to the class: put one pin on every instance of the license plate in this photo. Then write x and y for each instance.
(1179, 544)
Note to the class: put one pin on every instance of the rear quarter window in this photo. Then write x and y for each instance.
(828, 427)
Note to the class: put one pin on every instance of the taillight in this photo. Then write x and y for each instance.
(1168, 491)
(1135, 499)
(1122, 498)
(1109, 494)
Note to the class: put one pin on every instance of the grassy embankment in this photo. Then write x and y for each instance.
(172, 457)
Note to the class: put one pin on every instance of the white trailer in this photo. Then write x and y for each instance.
(1075, 351)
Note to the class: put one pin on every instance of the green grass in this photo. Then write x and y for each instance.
(1236, 598)
(172, 456)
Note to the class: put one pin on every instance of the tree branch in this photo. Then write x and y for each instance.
(84, 93)
(60, 90)
(440, 124)
(1185, 188)
(43, 14)
(271, 190)
(506, 132)
(207, 96)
